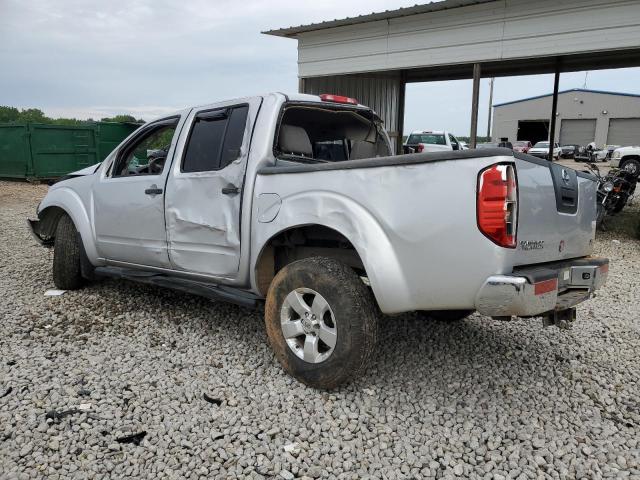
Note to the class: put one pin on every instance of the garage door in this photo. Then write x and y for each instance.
(624, 132)
(577, 132)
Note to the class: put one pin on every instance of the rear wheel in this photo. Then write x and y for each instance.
(69, 258)
(321, 322)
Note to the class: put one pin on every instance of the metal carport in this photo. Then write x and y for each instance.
(372, 57)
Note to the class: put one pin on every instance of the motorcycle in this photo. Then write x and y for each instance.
(615, 190)
(591, 154)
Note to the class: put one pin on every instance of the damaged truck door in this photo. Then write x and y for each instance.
(128, 197)
(204, 190)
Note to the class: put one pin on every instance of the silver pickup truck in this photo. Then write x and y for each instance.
(297, 199)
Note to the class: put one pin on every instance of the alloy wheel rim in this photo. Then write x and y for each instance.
(631, 168)
(308, 325)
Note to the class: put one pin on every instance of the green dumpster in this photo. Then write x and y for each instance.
(49, 151)
(57, 150)
(110, 134)
(15, 157)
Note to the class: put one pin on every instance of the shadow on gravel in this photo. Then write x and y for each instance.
(483, 357)
(424, 357)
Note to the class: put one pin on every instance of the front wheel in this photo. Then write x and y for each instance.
(69, 258)
(632, 166)
(620, 204)
(321, 321)
(601, 213)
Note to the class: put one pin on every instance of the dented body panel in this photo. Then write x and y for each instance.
(203, 223)
(407, 240)
(410, 219)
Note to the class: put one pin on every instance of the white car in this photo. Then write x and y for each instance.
(541, 150)
(627, 158)
(431, 141)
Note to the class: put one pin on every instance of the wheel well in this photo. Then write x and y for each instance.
(304, 242)
(48, 223)
(629, 157)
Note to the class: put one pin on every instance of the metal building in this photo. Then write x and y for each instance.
(372, 57)
(583, 116)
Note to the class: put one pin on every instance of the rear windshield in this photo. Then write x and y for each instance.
(542, 145)
(521, 144)
(429, 138)
(314, 133)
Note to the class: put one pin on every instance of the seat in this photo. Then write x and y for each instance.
(294, 140)
(362, 149)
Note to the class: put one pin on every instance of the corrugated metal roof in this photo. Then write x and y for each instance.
(586, 90)
(375, 16)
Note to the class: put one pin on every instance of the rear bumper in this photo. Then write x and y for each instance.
(531, 291)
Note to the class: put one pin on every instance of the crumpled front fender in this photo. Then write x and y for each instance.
(68, 200)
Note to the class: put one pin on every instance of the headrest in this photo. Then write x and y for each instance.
(295, 140)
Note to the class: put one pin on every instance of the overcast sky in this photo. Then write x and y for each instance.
(85, 58)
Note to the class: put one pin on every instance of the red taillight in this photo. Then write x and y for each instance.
(328, 97)
(420, 148)
(497, 206)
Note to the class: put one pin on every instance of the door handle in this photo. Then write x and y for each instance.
(230, 190)
(153, 190)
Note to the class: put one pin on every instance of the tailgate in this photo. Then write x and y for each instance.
(556, 212)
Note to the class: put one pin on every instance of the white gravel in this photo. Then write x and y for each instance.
(477, 399)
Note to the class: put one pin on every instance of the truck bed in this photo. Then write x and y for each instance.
(421, 209)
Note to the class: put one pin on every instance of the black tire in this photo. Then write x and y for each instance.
(620, 204)
(68, 256)
(632, 166)
(601, 213)
(447, 315)
(356, 321)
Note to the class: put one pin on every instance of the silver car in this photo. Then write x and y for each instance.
(296, 202)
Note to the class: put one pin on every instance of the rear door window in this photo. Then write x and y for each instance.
(215, 139)
(235, 134)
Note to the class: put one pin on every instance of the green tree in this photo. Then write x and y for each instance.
(70, 121)
(34, 115)
(9, 114)
(121, 119)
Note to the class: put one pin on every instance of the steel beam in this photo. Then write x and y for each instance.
(400, 110)
(490, 109)
(475, 100)
(554, 111)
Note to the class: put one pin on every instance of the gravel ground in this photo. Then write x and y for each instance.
(477, 399)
